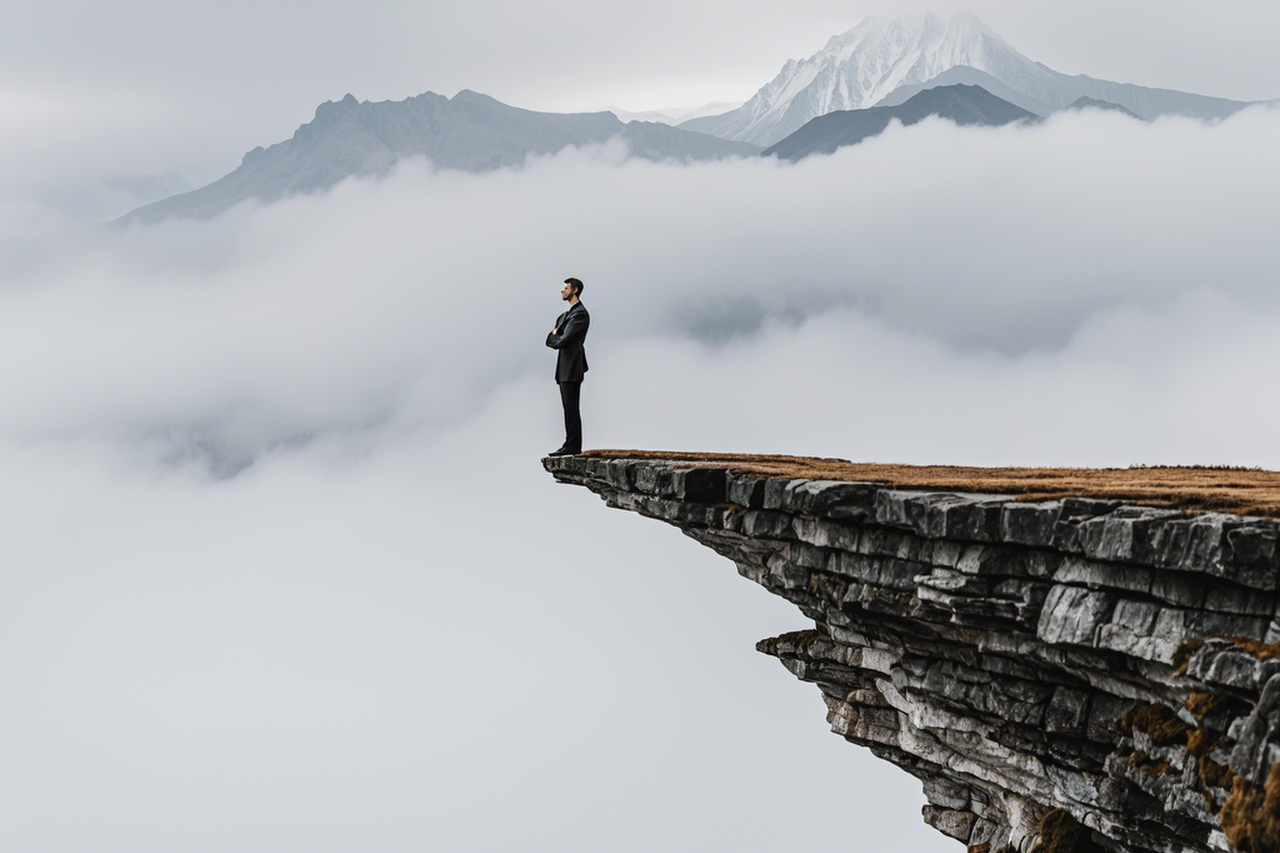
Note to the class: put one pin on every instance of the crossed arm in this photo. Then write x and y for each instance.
(574, 328)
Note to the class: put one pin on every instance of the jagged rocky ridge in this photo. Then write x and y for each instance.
(1068, 675)
(468, 132)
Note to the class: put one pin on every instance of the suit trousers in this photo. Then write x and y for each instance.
(570, 394)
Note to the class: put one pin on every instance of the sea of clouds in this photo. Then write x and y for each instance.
(282, 568)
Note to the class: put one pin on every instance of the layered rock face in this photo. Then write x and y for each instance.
(1069, 675)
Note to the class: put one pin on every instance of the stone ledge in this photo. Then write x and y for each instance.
(1029, 661)
(1243, 550)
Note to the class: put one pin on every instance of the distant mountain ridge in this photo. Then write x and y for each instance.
(470, 132)
(964, 105)
(868, 64)
(1085, 102)
(675, 115)
(879, 63)
(964, 75)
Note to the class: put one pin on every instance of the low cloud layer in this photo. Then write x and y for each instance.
(405, 304)
(284, 571)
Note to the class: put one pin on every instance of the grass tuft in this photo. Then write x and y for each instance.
(1191, 488)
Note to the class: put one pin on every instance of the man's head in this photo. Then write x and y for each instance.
(571, 291)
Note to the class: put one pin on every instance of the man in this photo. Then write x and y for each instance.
(571, 363)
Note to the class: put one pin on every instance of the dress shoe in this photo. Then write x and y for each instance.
(560, 451)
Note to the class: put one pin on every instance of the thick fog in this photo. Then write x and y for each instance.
(1104, 253)
(283, 571)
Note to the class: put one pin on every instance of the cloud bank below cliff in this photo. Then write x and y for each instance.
(406, 304)
(277, 532)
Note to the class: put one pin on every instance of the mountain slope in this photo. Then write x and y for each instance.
(1091, 103)
(470, 132)
(675, 115)
(1142, 101)
(964, 75)
(655, 140)
(964, 105)
(867, 64)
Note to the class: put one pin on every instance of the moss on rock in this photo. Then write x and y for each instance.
(1251, 815)
(1159, 722)
(1061, 833)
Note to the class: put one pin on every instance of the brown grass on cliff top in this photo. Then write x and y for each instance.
(1245, 491)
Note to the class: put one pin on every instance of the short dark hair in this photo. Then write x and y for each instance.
(577, 285)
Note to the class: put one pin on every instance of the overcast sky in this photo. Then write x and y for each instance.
(156, 85)
(281, 568)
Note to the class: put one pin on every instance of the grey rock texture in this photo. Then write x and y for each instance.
(1035, 665)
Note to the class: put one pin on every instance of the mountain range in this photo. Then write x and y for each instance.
(862, 79)
(869, 65)
(675, 115)
(469, 132)
(964, 105)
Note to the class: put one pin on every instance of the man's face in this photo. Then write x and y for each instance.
(566, 292)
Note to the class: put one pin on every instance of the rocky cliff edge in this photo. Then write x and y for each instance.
(1067, 674)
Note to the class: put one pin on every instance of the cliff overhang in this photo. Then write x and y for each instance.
(1077, 673)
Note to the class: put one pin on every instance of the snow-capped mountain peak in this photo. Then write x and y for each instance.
(885, 60)
(881, 54)
(859, 67)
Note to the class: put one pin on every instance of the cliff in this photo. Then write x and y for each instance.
(1075, 673)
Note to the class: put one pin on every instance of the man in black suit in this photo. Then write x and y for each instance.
(571, 363)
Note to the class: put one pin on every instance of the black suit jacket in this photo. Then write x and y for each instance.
(571, 331)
